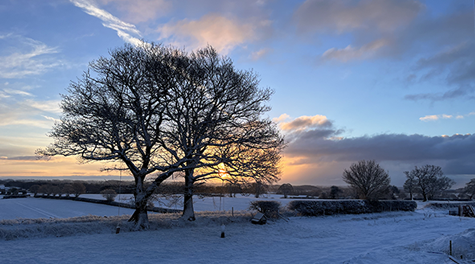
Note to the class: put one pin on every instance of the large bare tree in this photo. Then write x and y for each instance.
(368, 179)
(115, 112)
(160, 110)
(215, 123)
(428, 180)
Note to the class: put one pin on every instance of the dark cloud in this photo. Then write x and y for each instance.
(462, 91)
(441, 46)
(355, 15)
(454, 66)
(456, 153)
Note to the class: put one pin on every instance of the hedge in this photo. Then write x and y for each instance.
(316, 208)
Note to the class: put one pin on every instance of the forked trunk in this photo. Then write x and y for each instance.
(188, 211)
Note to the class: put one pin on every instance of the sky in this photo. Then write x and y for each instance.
(389, 80)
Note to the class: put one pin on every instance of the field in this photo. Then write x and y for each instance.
(78, 232)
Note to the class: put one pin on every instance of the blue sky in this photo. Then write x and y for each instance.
(390, 80)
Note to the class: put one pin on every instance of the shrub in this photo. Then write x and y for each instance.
(269, 208)
(109, 194)
(315, 208)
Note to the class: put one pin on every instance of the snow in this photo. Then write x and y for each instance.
(49, 208)
(422, 236)
(200, 203)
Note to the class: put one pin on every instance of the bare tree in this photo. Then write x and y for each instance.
(34, 189)
(109, 194)
(68, 189)
(56, 190)
(334, 192)
(78, 188)
(216, 124)
(286, 189)
(116, 113)
(469, 189)
(46, 189)
(157, 109)
(368, 179)
(429, 180)
(410, 184)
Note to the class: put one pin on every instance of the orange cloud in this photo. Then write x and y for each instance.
(303, 122)
(220, 32)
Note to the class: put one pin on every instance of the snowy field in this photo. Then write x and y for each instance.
(393, 237)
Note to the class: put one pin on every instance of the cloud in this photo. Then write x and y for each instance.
(29, 158)
(27, 112)
(346, 16)
(30, 60)
(304, 122)
(222, 33)
(281, 118)
(435, 117)
(443, 116)
(124, 30)
(445, 52)
(319, 152)
(349, 53)
(440, 46)
(141, 10)
(51, 106)
(51, 118)
(260, 53)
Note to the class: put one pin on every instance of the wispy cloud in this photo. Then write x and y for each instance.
(28, 112)
(25, 63)
(51, 118)
(141, 10)
(260, 53)
(124, 30)
(351, 53)
(16, 92)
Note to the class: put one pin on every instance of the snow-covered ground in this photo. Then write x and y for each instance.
(200, 203)
(393, 237)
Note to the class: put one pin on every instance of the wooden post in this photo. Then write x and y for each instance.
(232, 211)
(450, 248)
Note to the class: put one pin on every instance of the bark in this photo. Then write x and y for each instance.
(424, 196)
(188, 211)
(140, 216)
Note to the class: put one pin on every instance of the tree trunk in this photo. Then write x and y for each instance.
(140, 216)
(188, 211)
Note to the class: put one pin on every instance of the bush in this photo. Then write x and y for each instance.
(109, 194)
(269, 208)
(315, 208)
